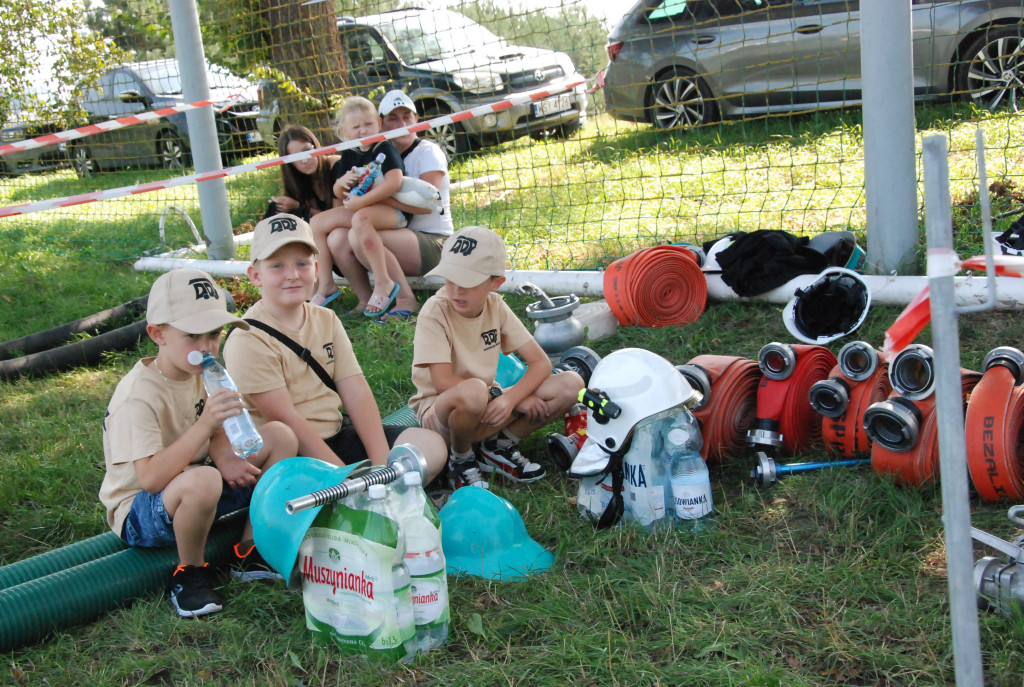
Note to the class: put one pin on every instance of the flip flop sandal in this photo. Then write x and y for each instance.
(396, 316)
(326, 301)
(385, 305)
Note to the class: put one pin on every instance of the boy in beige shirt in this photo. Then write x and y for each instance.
(279, 385)
(170, 468)
(461, 333)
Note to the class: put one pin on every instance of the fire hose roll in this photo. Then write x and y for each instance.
(783, 402)
(731, 407)
(844, 435)
(995, 443)
(662, 286)
(918, 463)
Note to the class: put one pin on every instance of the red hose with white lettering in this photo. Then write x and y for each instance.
(662, 286)
(730, 408)
(994, 429)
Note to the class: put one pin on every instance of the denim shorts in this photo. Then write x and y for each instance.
(148, 524)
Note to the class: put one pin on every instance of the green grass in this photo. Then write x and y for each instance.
(828, 578)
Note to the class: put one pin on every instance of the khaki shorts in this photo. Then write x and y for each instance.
(431, 421)
(430, 249)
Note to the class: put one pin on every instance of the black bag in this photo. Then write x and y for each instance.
(766, 259)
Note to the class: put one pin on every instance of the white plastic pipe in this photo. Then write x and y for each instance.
(885, 290)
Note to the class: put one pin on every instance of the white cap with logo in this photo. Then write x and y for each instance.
(189, 300)
(393, 100)
(470, 256)
(279, 230)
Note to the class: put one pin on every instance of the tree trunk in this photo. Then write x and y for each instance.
(306, 47)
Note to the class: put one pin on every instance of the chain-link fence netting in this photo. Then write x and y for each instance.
(692, 118)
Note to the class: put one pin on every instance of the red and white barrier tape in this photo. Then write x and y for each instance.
(93, 196)
(110, 125)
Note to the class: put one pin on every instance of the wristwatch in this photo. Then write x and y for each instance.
(495, 391)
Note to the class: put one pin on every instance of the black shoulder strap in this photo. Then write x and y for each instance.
(303, 353)
(411, 148)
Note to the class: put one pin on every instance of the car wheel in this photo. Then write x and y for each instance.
(171, 151)
(451, 137)
(992, 71)
(84, 163)
(680, 100)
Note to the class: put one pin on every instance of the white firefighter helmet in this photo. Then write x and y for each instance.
(642, 384)
(833, 306)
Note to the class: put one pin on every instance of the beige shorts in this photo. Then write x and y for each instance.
(430, 420)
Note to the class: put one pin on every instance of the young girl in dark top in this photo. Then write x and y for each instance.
(307, 183)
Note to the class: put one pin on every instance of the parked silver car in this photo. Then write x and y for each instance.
(679, 63)
(22, 125)
(141, 86)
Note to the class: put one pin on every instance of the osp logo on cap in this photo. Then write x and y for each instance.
(277, 231)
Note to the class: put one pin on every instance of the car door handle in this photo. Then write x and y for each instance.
(810, 28)
(704, 40)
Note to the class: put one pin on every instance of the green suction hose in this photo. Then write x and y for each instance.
(58, 559)
(78, 594)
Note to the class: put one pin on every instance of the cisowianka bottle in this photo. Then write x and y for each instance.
(241, 430)
(691, 482)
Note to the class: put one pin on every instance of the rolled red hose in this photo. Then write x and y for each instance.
(786, 401)
(845, 435)
(920, 465)
(995, 440)
(662, 286)
(731, 407)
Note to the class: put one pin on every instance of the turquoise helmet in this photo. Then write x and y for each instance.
(482, 534)
(276, 533)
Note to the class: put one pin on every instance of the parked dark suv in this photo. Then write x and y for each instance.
(449, 63)
(141, 86)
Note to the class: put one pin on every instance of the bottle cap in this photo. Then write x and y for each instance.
(195, 358)
(412, 479)
(376, 491)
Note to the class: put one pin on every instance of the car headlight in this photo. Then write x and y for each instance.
(479, 82)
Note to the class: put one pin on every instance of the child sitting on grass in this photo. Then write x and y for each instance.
(461, 332)
(308, 393)
(170, 468)
(362, 215)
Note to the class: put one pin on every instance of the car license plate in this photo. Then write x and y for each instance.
(255, 137)
(552, 106)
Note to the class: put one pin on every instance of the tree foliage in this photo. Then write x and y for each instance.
(47, 57)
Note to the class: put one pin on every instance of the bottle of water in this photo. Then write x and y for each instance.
(241, 430)
(691, 482)
(645, 479)
(427, 565)
(400, 577)
(369, 175)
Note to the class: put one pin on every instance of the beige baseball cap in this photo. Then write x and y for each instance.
(470, 256)
(189, 300)
(277, 231)
(393, 100)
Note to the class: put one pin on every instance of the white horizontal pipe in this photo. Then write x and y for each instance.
(885, 290)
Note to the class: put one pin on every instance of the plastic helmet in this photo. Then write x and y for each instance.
(642, 384)
(711, 261)
(278, 534)
(833, 306)
(482, 534)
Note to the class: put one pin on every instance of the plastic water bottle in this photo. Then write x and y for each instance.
(241, 430)
(369, 175)
(691, 482)
(427, 565)
(401, 578)
(645, 478)
(593, 496)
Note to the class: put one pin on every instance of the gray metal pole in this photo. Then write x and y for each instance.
(890, 175)
(956, 514)
(202, 129)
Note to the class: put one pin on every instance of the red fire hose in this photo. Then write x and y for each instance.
(783, 403)
(995, 441)
(844, 435)
(657, 287)
(730, 407)
(919, 465)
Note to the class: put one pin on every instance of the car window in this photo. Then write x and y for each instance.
(707, 9)
(361, 49)
(428, 36)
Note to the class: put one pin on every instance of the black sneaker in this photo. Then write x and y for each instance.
(249, 565)
(465, 473)
(191, 591)
(508, 461)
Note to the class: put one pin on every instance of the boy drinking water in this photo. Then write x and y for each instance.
(170, 471)
(362, 215)
(461, 332)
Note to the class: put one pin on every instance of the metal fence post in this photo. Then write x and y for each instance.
(202, 129)
(890, 174)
